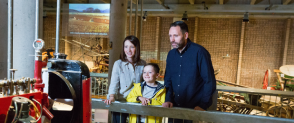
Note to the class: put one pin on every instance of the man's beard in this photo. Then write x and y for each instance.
(181, 44)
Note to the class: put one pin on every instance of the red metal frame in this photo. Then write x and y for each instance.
(5, 102)
(41, 97)
(87, 103)
(38, 75)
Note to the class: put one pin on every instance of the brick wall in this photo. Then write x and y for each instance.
(263, 44)
(133, 26)
(49, 32)
(148, 39)
(191, 27)
(165, 46)
(148, 36)
(290, 53)
(263, 49)
(221, 37)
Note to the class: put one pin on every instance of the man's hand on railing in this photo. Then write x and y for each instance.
(108, 102)
(198, 108)
(144, 100)
(167, 105)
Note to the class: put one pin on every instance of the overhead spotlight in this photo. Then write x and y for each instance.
(185, 16)
(145, 16)
(204, 5)
(44, 14)
(246, 17)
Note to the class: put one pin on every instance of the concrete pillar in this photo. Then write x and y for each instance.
(117, 30)
(68, 48)
(288, 26)
(240, 52)
(196, 29)
(158, 36)
(23, 37)
(3, 38)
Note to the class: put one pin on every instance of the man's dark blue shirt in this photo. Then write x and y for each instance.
(189, 77)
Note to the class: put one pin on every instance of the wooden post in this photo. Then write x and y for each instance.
(158, 41)
(288, 26)
(196, 29)
(240, 52)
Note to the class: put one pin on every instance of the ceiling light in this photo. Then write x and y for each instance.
(205, 8)
(185, 16)
(145, 16)
(246, 17)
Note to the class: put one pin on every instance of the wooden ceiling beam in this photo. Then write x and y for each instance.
(192, 2)
(133, 1)
(106, 1)
(252, 2)
(286, 2)
(221, 2)
(159, 1)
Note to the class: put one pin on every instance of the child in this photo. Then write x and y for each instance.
(149, 92)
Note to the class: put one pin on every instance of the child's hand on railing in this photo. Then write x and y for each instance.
(144, 100)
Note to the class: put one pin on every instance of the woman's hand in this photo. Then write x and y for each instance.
(144, 100)
(111, 99)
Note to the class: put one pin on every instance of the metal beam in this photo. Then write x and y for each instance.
(9, 37)
(286, 2)
(225, 101)
(130, 20)
(219, 8)
(192, 2)
(213, 8)
(184, 113)
(252, 2)
(136, 19)
(223, 15)
(100, 75)
(255, 91)
(221, 2)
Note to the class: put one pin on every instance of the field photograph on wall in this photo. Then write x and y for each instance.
(89, 19)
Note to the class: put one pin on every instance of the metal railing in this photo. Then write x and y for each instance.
(255, 101)
(183, 113)
(231, 102)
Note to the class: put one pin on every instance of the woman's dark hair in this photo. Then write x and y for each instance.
(182, 25)
(135, 41)
(155, 67)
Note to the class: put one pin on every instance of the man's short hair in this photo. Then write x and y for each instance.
(182, 25)
(155, 67)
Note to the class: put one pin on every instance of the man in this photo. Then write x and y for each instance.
(189, 76)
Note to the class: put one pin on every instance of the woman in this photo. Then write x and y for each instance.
(126, 71)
